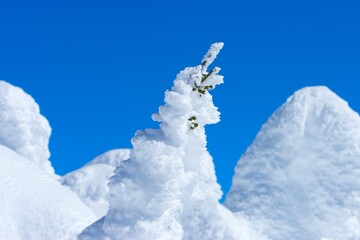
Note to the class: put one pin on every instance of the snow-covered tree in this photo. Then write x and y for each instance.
(22, 127)
(168, 188)
(300, 176)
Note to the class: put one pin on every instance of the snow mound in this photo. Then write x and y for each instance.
(167, 190)
(23, 128)
(300, 177)
(34, 205)
(90, 182)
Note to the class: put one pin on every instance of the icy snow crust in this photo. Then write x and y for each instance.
(34, 205)
(168, 189)
(300, 177)
(23, 129)
(90, 182)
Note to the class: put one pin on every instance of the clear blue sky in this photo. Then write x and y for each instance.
(99, 69)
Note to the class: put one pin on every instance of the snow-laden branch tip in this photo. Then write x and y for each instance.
(211, 55)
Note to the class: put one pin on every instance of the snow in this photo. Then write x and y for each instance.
(298, 180)
(300, 177)
(168, 189)
(113, 157)
(90, 182)
(34, 205)
(23, 128)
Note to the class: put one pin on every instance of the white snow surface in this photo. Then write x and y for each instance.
(33, 205)
(90, 182)
(22, 128)
(300, 177)
(167, 190)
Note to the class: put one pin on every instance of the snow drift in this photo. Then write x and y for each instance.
(34, 205)
(300, 176)
(168, 189)
(22, 128)
(90, 182)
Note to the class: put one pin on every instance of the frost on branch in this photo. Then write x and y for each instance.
(168, 188)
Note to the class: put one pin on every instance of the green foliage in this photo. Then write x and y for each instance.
(205, 76)
(202, 89)
(192, 118)
(203, 64)
(193, 124)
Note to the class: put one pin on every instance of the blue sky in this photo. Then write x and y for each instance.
(99, 69)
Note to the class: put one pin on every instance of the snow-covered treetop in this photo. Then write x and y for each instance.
(23, 128)
(211, 55)
(188, 105)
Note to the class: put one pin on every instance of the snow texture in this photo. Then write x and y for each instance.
(168, 189)
(90, 182)
(300, 177)
(22, 128)
(34, 205)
